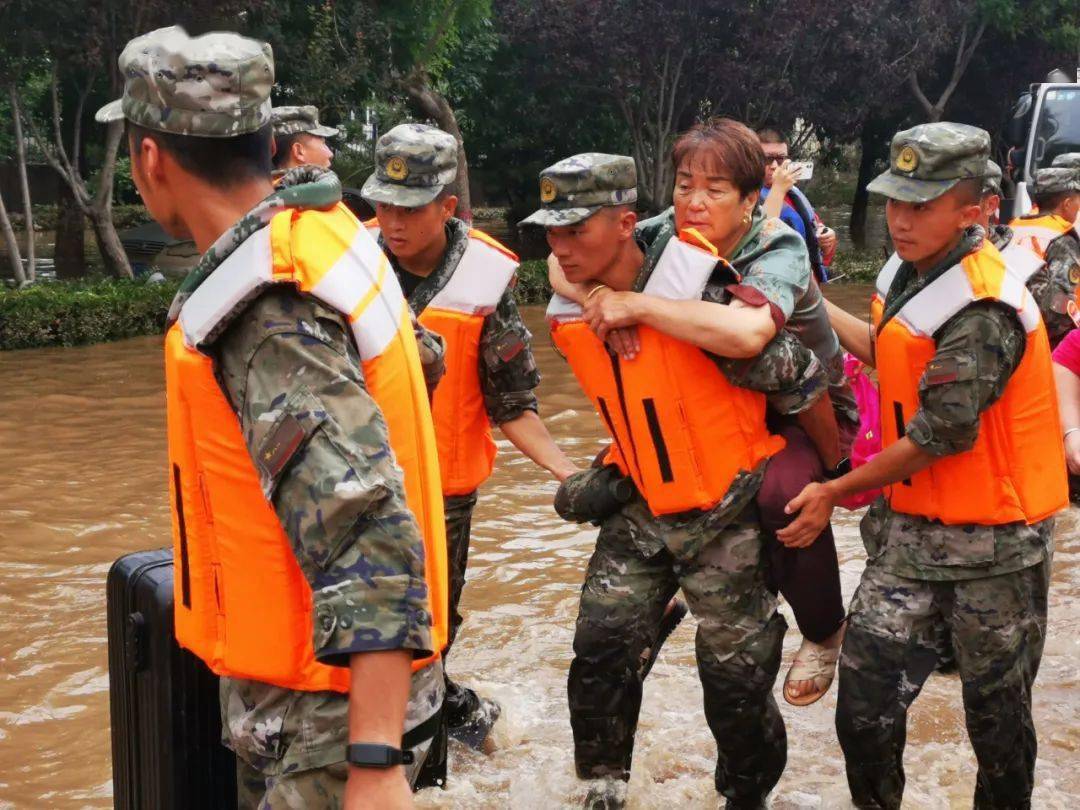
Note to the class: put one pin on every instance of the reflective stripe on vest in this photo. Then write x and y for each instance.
(670, 408)
(244, 606)
(1021, 260)
(1036, 233)
(1016, 469)
(456, 312)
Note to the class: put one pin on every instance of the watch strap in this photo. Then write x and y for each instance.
(372, 755)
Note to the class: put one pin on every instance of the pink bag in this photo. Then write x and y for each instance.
(867, 442)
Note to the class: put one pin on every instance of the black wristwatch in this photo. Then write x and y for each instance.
(841, 469)
(371, 755)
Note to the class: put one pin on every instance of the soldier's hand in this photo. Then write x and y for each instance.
(373, 789)
(609, 310)
(625, 342)
(813, 507)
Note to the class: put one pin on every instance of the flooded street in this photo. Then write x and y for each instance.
(82, 481)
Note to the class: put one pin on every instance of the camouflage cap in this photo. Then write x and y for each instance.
(577, 187)
(928, 160)
(413, 162)
(992, 179)
(291, 120)
(214, 86)
(1063, 175)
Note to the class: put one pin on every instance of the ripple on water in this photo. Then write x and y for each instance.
(525, 576)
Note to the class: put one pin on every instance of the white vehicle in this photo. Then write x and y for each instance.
(1045, 124)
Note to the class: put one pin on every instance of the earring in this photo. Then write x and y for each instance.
(746, 218)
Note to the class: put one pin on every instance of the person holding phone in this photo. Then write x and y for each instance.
(790, 205)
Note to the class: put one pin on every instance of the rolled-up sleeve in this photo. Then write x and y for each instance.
(320, 445)
(789, 374)
(977, 353)
(508, 373)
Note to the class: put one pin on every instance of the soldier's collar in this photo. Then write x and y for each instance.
(306, 187)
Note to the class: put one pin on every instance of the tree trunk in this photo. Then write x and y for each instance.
(70, 254)
(108, 242)
(24, 183)
(871, 138)
(14, 256)
(432, 104)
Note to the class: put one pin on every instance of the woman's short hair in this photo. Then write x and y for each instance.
(726, 148)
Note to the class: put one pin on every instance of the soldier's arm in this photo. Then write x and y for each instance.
(432, 350)
(787, 372)
(508, 377)
(320, 444)
(795, 384)
(1054, 285)
(977, 353)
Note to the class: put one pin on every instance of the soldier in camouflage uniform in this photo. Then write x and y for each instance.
(982, 585)
(999, 233)
(354, 544)
(425, 243)
(1055, 285)
(818, 433)
(300, 140)
(641, 560)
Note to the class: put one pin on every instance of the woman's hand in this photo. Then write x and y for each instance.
(607, 310)
(1072, 452)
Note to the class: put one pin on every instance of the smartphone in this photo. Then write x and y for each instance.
(804, 169)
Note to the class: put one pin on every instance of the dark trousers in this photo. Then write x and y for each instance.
(894, 641)
(808, 578)
(739, 640)
(459, 512)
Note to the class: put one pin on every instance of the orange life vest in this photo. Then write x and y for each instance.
(1016, 469)
(457, 312)
(243, 605)
(1036, 233)
(681, 431)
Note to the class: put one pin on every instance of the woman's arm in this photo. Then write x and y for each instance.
(1068, 391)
(727, 330)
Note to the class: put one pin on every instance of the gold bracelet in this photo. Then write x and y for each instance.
(596, 289)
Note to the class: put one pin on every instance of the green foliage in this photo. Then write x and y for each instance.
(856, 266)
(532, 282)
(71, 314)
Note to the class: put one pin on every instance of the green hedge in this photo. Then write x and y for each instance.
(70, 314)
(532, 282)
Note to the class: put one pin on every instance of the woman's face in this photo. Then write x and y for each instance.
(706, 200)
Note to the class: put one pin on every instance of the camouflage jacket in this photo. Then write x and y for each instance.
(984, 343)
(508, 372)
(773, 268)
(340, 497)
(1054, 285)
(1000, 236)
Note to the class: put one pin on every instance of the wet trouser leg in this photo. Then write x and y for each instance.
(739, 641)
(808, 578)
(891, 646)
(998, 628)
(459, 512)
(622, 601)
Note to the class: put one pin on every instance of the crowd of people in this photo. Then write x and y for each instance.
(333, 384)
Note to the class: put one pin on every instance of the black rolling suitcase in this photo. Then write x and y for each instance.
(166, 725)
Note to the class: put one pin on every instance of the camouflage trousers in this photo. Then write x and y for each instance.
(459, 512)
(290, 746)
(896, 633)
(738, 649)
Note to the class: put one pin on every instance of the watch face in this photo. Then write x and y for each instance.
(367, 755)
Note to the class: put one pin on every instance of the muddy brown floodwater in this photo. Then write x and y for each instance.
(82, 481)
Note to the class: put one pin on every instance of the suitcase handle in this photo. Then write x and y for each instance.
(135, 642)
